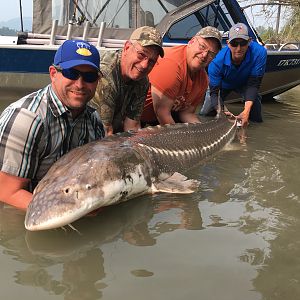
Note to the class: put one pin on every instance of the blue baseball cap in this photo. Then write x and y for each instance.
(74, 53)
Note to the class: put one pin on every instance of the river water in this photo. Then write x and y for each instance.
(236, 238)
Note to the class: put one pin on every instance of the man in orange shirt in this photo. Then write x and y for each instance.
(178, 82)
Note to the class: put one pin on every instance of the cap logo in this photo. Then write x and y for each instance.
(83, 49)
(237, 29)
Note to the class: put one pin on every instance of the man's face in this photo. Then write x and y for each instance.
(137, 61)
(238, 48)
(201, 52)
(74, 93)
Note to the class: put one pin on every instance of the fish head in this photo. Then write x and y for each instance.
(81, 181)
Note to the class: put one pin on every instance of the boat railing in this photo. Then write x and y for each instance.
(43, 39)
(40, 39)
(290, 46)
(51, 39)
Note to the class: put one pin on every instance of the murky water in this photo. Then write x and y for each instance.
(236, 238)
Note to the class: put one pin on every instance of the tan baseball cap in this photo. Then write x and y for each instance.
(148, 36)
(211, 32)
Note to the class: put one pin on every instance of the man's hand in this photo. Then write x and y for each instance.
(108, 130)
(229, 114)
(218, 110)
(244, 115)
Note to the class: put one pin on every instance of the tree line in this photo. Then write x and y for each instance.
(8, 31)
(276, 12)
(268, 9)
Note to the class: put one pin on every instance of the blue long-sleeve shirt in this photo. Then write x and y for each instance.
(223, 74)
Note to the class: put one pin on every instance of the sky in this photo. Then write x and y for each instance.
(12, 9)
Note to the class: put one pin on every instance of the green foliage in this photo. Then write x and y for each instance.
(269, 35)
(291, 31)
(290, 17)
(7, 31)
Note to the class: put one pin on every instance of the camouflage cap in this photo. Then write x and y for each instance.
(211, 32)
(238, 31)
(148, 36)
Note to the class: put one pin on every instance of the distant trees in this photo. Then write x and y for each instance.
(8, 31)
(269, 36)
(288, 14)
(291, 30)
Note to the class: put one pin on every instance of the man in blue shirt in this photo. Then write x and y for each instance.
(238, 67)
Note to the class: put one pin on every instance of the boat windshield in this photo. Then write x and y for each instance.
(214, 14)
(116, 13)
(177, 20)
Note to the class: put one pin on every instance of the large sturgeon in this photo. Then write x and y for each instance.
(124, 166)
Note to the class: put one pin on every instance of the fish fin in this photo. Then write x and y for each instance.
(177, 184)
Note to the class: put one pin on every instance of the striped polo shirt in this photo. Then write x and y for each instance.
(38, 129)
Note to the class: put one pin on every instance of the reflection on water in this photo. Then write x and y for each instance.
(77, 258)
(236, 238)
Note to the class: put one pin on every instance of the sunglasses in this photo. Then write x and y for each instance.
(203, 48)
(74, 74)
(235, 43)
(142, 56)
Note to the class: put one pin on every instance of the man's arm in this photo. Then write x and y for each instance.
(252, 88)
(253, 84)
(215, 74)
(214, 96)
(104, 102)
(162, 106)
(188, 115)
(12, 190)
(244, 115)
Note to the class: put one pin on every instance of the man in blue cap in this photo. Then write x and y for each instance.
(38, 129)
(238, 67)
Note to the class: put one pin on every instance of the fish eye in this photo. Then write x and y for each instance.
(66, 190)
(88, 186)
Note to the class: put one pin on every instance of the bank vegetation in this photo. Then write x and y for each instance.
(281, 16)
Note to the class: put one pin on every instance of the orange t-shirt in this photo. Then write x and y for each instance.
(170, 77)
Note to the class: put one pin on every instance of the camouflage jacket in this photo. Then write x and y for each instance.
(114, 99)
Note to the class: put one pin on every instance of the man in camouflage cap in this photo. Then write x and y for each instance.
(148, 36)
(211, 32)
(179, 80)
(122, 90)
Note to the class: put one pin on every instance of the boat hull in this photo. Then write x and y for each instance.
(24, 60)
(24, 69)
(31, 73)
